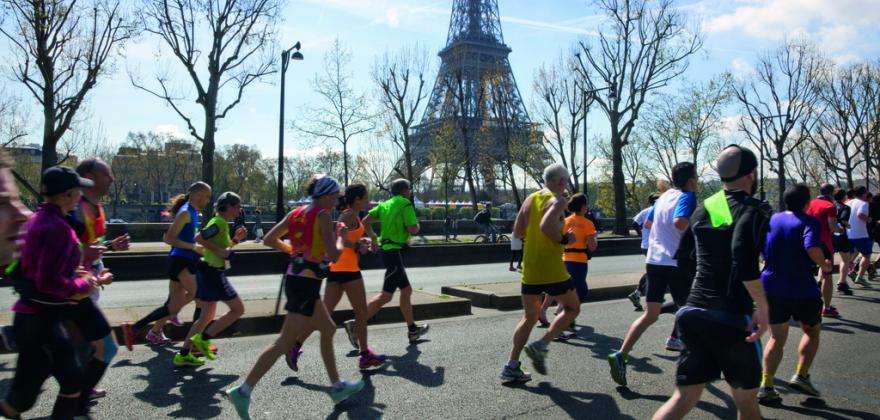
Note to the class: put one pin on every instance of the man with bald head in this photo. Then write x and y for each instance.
(726, 313)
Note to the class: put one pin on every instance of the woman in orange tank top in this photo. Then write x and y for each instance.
(345, 274)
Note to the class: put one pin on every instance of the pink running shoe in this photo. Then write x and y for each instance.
(370, 359)
(292, 357)
(96, 393)
(175, 321)
(830, 312)
(157, 339)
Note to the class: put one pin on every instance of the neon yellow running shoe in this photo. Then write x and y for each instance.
(203, 345)
(187, 361)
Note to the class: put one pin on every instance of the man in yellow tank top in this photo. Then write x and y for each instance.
(540, 219)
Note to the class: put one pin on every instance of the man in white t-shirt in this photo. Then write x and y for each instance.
(858, 230)
(639, 222)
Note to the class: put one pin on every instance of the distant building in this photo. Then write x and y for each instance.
(32, 153)
(150, 175)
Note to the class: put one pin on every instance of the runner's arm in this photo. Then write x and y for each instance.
(344, 220)
(332, 246)
(273, 238)
(368, 228)
(211, 231)
(522, 219)
(171, 234)
(550, 222)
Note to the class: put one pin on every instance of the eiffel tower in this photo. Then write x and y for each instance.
(475, 63)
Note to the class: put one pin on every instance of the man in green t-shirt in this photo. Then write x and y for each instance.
(398, 221)
(213, 286)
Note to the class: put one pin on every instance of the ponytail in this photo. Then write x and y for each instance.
(178, 200)
(352, 193)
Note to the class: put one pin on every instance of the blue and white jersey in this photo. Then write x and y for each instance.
(664, 238)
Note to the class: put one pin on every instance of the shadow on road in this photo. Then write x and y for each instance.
(577, 404)
(602, 345)
(199, 394)
(729, 411)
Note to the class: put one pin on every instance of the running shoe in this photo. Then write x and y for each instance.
(350, 332)
(844, 288)
(370, 360)
(157, 339)
(538, 357)
(175, 321)
(203, 345)
(199, 353)
(239, 401)
(96, 393)
(544, 323)
(415, 335)
(190, 360)
(830, 312)
(862, 281)
(514, 375)
(617, 361)
(292, 357)
(128, 336)
(636, 299)
(511, 269)
(768, 395)
(565, 336)
(674, 344)
(8, 337)
(347, 389)
(801, 383)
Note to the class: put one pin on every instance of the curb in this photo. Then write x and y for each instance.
(490, 300)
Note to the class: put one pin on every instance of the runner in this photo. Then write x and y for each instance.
(858, 232)
(639, 222)
(213, 286)
(46, 278)
(184, 258)
(13, 215)
(88, 220)
(541, 220)
(793, 247)
(398, 220)
(668, 222)
(312, 244)
(345, 276)
(715, 326)
(577, 254)
(842, 246)
(823, 209)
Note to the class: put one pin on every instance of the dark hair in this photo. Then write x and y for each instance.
(577, 202)
(850, 193)
(352, 193)
(652, 198)
(839, 195)
(228, 198)
(796, 197)
(826, 189)
(178, 200)
(310, 185)
(398, 186)
(860, 191)
(682, 173)
(88, 165)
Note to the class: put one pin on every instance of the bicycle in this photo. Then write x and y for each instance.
(486, 239)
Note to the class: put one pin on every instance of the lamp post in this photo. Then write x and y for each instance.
(286, 56)
(612, 95)
(761, 152)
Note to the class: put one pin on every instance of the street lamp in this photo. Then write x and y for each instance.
(761, 152)
(612, 95)
(286, 56)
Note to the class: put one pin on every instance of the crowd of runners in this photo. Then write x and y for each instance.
(733, 268)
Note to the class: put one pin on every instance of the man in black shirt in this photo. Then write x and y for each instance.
(726, 313)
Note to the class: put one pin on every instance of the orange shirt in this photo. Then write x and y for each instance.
(583, 228)
(348, 259)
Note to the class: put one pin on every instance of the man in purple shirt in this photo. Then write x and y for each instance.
(792, 250)
(47, 276)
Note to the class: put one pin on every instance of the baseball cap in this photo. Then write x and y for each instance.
(58, 179)
(735, 162)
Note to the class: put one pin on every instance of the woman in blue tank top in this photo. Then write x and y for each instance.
(183, 257)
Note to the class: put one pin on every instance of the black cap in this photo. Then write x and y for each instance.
(58, 179)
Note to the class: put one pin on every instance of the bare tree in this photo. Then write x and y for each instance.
(643, 45)
(560, 108)
(61, 48)
(400, 78)
(376, 164)
(240, 42)
(778, 102)
(342, 115)
(467, 108)
(13, 120)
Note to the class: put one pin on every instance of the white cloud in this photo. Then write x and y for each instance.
(547, 26)
(169, 129)
(741, 67)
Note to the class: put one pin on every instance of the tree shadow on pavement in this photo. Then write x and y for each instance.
(602, 345)
(358, 406)
(199, 394)
(408, 367)
(729, 411)
(839, 322)
(577, 404)
(814, 407)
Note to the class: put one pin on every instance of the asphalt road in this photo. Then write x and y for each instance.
(430, 279)
(454, 374)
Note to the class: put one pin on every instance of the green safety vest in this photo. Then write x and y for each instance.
(719, 210)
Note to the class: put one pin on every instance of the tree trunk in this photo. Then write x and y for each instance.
(407, 156)
(516, 197)
(50, 140)
(208, 154)
(345, 161)
(618, 182)
(780, 182)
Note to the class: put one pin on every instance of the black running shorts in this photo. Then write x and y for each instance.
(342, 277)
(713, 348)
(178, 264)
(213, 286)
(806, 311)
(302, 294)
(395, 272)
(89, 319)
(552, 289)
(841, 243)
(661, 277)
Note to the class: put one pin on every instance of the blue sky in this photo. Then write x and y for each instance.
(538, 31)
